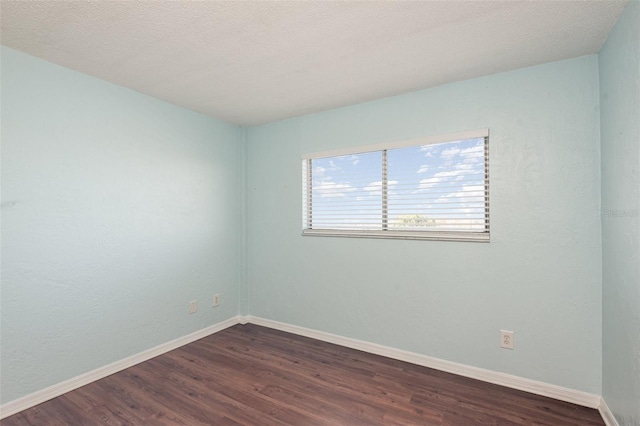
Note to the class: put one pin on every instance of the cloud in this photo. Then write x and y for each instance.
(466, 194)
(474, 149)
(450, 152)
(319, 171)
(464, 166)
(336, 163)
(426, 184)
(376, 187)
(373, 186)
(329, 189)
(475, 159)
(474, 190)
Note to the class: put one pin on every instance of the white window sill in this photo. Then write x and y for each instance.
(482, 237)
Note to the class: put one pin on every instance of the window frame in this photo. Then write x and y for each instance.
(384, 233)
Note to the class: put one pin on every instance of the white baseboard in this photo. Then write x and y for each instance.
(514, 382)
(606, 414)
(28, 401)
(503, 379)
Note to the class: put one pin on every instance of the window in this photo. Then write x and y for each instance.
(431, 188)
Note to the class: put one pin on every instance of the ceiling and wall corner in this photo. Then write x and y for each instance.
(250, 63)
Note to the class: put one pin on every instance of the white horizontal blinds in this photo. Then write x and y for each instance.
(346, 192)
(426, 190)
(307, 179)
(486, 186)
(439, 187)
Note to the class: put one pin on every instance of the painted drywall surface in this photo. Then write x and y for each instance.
(117, 210)
(540, 275)
(243, 291)
(619, 62)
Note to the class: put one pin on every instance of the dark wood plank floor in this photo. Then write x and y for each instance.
(251, 375)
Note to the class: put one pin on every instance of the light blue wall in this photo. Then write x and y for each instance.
(540, 275)
(117, 210)
(620, 135)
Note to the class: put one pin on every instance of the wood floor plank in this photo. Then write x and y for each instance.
(242, 396)
(363, 392)
(251, 375)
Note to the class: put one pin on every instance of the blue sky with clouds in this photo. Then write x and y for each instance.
(441, 185)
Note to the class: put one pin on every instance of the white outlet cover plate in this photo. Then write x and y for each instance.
(506, 339)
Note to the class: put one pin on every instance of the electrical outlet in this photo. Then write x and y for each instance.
(193, 306)
(506, 339)
(216, 300)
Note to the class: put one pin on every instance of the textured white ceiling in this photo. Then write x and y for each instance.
(255, 62)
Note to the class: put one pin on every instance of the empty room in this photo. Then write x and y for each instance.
(320, 213)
